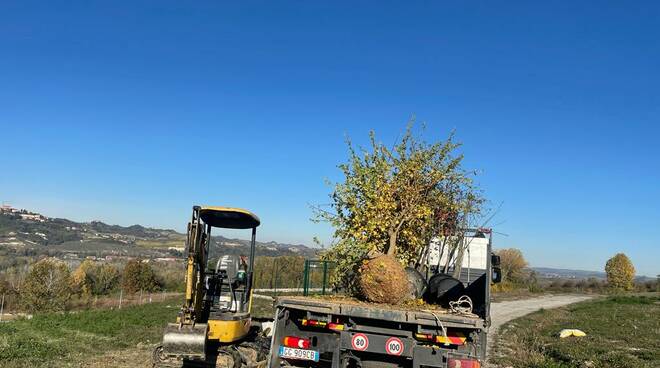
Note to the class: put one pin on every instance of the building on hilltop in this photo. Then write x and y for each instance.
(5, 208)
(33, 217)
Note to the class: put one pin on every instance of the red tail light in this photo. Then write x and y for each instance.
(463, 363)
(296, 342)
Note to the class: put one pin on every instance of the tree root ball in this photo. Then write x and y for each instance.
(383, 280)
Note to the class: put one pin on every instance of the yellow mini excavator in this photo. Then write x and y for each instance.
(214, 320)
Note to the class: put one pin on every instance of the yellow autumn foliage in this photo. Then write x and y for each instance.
(393, 200)
(620, 273)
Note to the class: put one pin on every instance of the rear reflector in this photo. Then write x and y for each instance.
(336, 326)
(296, 342)
(454, 338)
(463, 363)
(313, 323)
(322, 324)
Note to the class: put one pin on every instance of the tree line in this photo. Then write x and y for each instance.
(49, 285)
(619, 270)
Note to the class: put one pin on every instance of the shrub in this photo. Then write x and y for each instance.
(171, 277)
(5, 286)
(512, 264)
(81, 281)
(620, 273)
(47, 286)
(91, 278)
(105, 278)
(139, 276)
(568, 284)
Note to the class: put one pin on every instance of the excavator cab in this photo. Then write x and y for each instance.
(225, 285)
(215, 315)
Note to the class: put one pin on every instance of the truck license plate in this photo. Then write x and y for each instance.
(300, 354)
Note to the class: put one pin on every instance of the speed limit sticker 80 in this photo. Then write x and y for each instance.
(394, 346)
(360, 342)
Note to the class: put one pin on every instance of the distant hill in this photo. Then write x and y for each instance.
(562, 273)
(28, 233)
(556, 273)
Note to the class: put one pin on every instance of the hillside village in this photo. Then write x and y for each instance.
(25, 234)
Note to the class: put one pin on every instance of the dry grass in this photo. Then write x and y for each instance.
(93, 338)
(622, 332)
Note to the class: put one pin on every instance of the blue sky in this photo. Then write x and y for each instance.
(132, 112)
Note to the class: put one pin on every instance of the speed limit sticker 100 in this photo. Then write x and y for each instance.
(360, 342)
(394, 346)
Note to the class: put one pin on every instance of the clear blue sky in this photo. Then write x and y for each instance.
(130, 113)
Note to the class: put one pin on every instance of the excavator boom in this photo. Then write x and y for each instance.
(187, 338)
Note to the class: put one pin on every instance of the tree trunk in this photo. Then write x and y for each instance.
(391, 249)
(459, 260)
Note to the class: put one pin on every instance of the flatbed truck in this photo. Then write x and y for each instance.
(338, 332)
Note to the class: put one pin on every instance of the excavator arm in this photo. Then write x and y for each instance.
(187, 337)
(197, 246)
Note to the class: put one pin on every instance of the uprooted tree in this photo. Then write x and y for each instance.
(391, 203)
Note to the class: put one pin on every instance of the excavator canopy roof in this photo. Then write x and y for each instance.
(228, 217)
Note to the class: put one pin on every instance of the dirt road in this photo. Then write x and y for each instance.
(503, 312)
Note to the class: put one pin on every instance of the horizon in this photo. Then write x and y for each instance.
(312, 245)
(131, 113)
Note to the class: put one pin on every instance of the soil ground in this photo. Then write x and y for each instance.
(501, 312)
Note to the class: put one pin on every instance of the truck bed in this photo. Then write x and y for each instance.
(418, 314)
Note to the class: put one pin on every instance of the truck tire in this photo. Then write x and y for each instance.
(442, 289)
(417, 282)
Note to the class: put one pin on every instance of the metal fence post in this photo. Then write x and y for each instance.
(325, 276)
(2, 307)
(306, 277)
(121, 295)
(275, 275)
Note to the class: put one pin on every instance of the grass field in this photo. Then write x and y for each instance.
(60, 340)
(622, 332)
(162, 244)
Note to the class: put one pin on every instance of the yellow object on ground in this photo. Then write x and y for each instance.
(571, 332)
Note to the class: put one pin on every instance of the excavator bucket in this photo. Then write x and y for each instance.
(185, 342)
